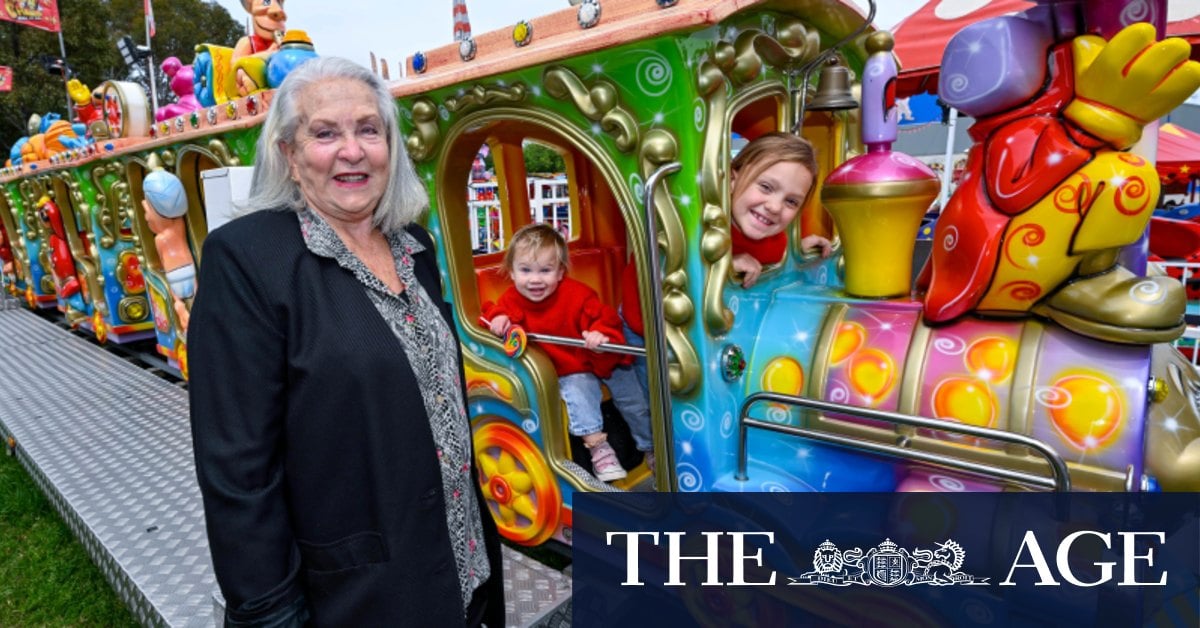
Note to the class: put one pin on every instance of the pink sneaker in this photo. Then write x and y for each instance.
(649, 460)
(605, 465)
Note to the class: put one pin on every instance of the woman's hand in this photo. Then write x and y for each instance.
(499, 325)
(748, 267)
(593, 339)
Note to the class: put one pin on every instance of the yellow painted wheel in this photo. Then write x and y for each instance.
(517, 483)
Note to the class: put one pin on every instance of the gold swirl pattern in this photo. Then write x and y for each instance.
(1075, 199)
(77, 222)
(597, 103)
(479, 96)
(747, 62)
(1031, 235)
(219, 148)
(684, 372)
(108, 214)
(711, 76)
(423, 140)
(31, 190)
(1022, 290)
(1133, 188)
(20, 255)
(123, 203)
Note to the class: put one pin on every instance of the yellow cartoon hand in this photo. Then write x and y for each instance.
(79, 92)
(1129, 81)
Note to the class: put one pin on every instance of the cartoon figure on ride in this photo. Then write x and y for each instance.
(223, 74)
(82, 238)
(183, 84)
(1052, 193)
(61, 261)
(164, 206)
(252, 52)
(49, 135)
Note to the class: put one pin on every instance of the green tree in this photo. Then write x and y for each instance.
(91, 29)
(542, 159)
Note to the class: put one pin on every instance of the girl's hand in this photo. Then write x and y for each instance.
(499, 325)
(593, 339)
(748, 267)
(808, 243)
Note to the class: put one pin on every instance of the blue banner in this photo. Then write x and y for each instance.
(903, 559)
(920, 109)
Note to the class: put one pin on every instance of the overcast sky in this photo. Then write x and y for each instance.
(395, 29)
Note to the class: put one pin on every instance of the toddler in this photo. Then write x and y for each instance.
(544, 300)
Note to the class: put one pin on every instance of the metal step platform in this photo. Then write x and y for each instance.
(109, 444)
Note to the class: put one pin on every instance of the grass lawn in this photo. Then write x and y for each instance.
(46, 577)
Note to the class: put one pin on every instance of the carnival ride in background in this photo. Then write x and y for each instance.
(1029, 359)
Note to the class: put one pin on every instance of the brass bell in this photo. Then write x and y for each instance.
(833, 92)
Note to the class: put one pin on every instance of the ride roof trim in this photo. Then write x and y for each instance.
(556, 36)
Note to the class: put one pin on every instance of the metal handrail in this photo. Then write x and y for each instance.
(606, 347)
(1060, 482)
(657, 321)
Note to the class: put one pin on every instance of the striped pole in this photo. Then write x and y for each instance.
(462, 24)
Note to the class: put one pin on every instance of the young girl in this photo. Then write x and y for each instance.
(771, 179)
(544, 300)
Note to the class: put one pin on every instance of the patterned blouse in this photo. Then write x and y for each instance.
(430, 348)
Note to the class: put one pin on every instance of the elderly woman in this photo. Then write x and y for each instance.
(332, 443)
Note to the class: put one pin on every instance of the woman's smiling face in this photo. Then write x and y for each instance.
(340, 152)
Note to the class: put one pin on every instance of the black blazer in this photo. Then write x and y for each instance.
(313, 448)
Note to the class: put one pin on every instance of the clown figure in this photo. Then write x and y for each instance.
(167, 220)
(1050, 195)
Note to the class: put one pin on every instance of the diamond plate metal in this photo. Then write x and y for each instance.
(110, 445)
(533, 592)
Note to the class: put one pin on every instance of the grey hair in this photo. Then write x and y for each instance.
(272, 187)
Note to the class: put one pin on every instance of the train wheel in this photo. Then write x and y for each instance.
(517, 483)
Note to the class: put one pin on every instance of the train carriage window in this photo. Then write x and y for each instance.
(515, 180)
(757, 118)
(759, 114)
(547, 190)
(483, 205)
(750, 121)
(524, 171)
(549, 187)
